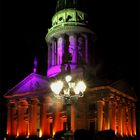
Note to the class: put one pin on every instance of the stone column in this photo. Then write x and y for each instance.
(53, 52)
(106, 115)
(29, 116)
(129, 121)
(49, 116)
(22, 118)
(117, 113)
(110, 115)
(9, 119)
(66, 43)
(133, 120)
(12, 119)
(56, 52)
(26, 119)
(81, 50)
(112, 110)
(86, 49)
(42, 115)
(100, 105)
(33, 116)
(120, 119)
(44, 122)
(49, 55)
(38, 121)
(116, 116)
(125, 121)
(73, 47)
(63, 51)
(60, 45)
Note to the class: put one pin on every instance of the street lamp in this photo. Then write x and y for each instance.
(68, 90)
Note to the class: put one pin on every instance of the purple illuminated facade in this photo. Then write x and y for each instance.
(32, 107)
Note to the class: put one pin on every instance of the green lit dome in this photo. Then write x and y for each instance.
(69, 18)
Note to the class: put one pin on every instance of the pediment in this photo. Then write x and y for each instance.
(124, 87)
(31, 83)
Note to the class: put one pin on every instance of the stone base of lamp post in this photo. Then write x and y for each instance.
(68, 135)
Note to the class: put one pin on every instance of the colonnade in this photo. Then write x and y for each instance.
(28, 117)
(77, 45)
(45, 116)
(117, 114)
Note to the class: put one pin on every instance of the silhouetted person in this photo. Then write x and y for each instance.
(106, 135)
(82, 134)
(59, 135)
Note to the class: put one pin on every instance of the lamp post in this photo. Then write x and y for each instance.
(67, 90)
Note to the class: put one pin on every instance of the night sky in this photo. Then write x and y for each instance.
(24, 24)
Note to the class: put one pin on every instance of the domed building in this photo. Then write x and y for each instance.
(34, 109)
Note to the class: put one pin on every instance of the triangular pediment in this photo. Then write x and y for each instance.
(33, 82)
(124, 87)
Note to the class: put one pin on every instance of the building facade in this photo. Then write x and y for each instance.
(33, 108)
